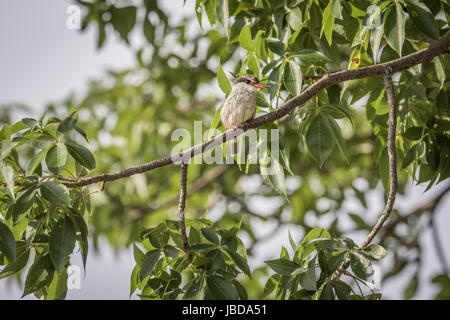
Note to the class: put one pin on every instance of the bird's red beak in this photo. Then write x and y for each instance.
(259, 85)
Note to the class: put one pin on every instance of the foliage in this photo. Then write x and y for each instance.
(327, 146)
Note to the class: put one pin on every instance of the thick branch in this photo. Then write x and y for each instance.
(438, 47)
(182, 204)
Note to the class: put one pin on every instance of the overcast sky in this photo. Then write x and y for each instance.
(42, 61)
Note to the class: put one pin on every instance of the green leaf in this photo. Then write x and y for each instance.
(245, 38)
(242, 292)
(223, 81)
(220, 288)
(308, 278)
(239, 261)
(222, 16)
(210, 8)
(82, 133)
(216, 120)
(194, 236)
(138, 255)
(272, 170)
(40, 275)
(327, 23)
(327, 292)
(61, 242)
(411, 289)
(440, 70)
(276, 46)
(413, 133)
(294, 18)
(149, 263)
(7, 147)
(337, 137)
(148, 29)
(56, 158)
(319, 140)
(123, 20)
(23, 203)
(361, 266)
(201, 246)
(68, 123)
(316, 233)
(423, 18)
(82, 155)
(210, 235)
(383, 169)
(58, 287)
(274, 82)
(55, 193)
(336, 9)
(282, 266)
(134, 279)
(7, 242)
(8, 176)
(229, 235)
(271, 284)
(409, 157)
(202, 263)
(375, 251)
(82, 235)
(30, 122)
(22, 255)
(43, 142)
(293, 78)
(195, 290)
(291, 241)
(394, 27)
(36, 160)
(342, 289)
(253, 63)
(376, 36)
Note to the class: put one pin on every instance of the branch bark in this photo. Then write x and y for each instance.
(182, 204)
(438, 47)
(392, 154)
(198, 185)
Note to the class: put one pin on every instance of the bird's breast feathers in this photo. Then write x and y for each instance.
(240, 106)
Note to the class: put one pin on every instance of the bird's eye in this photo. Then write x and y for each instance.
(248, 81)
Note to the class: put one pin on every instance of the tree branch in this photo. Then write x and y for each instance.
(392, 127)
(438, 47)
(182, 204)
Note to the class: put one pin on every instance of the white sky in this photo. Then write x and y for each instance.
(43, 61)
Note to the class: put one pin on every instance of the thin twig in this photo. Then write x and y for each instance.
(392, 154)
(197, 185)
(438, 47)
(182, 204)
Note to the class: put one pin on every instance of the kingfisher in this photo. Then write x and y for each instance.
(240, 105)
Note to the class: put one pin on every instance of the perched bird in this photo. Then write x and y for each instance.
(240, 105)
